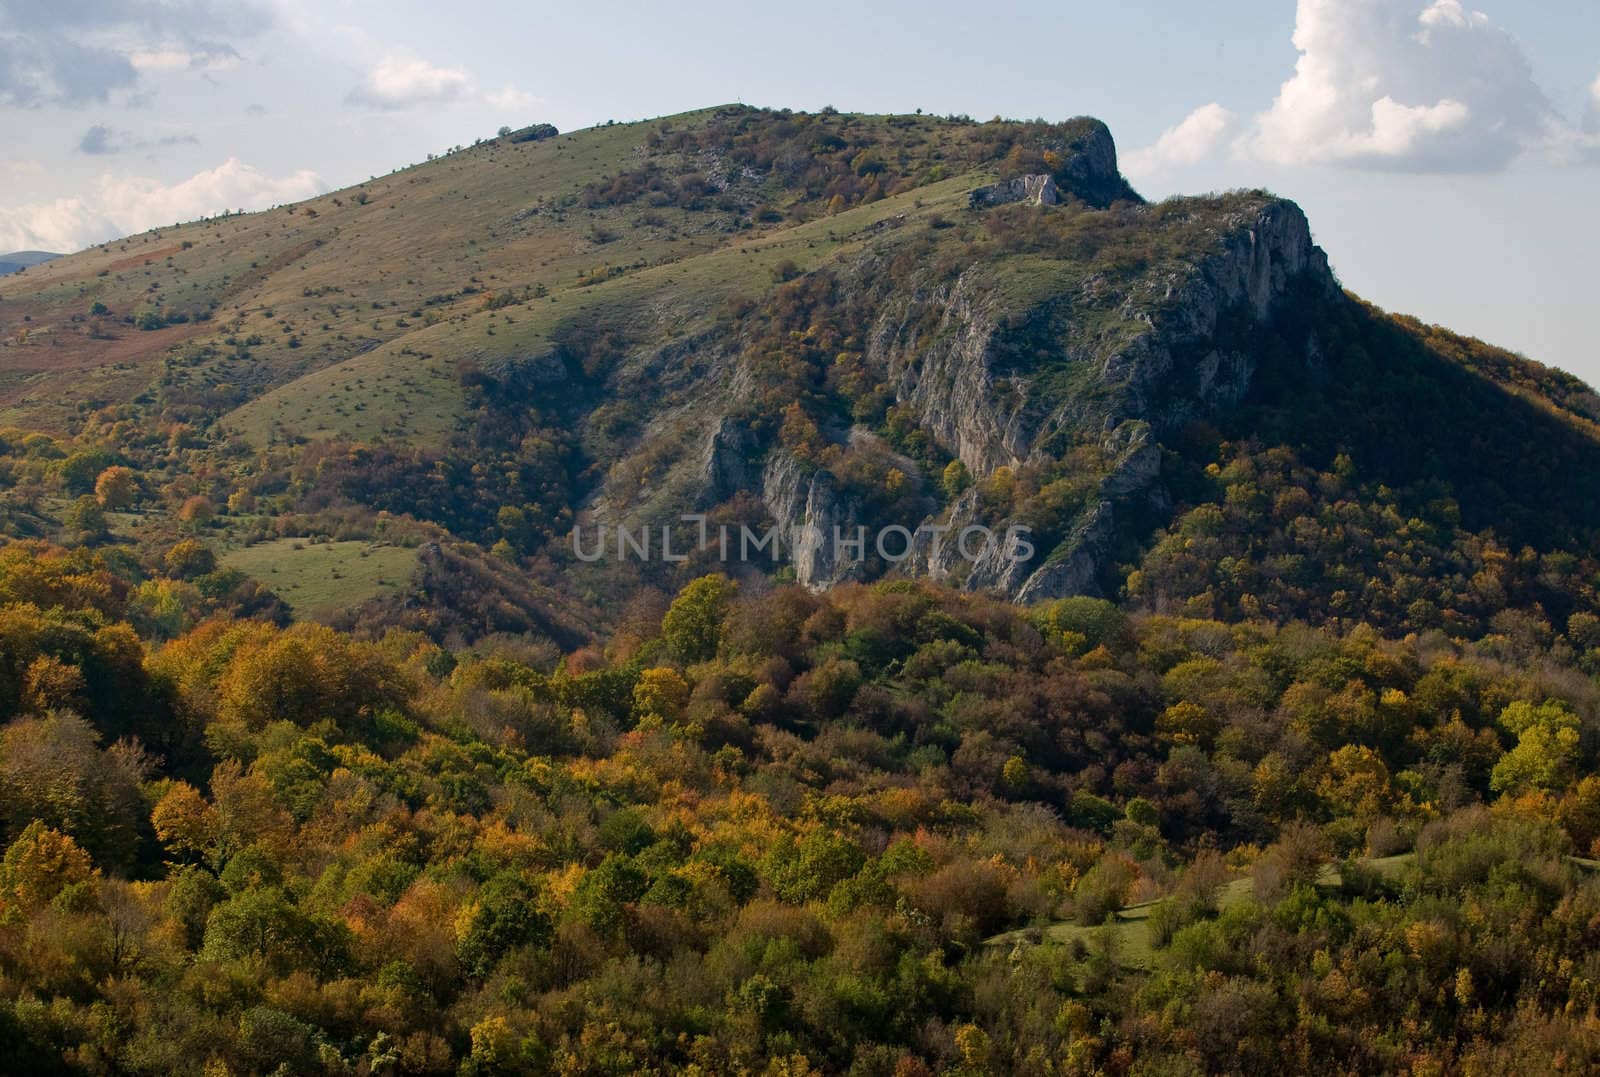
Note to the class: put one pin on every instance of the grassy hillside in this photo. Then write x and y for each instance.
(279, 294)
(406, 390)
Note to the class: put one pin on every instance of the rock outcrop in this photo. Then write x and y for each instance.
(808, 510)
(1089, 169)
(1037, 190)
(947, 377)
(725, 468)
(1085, 163)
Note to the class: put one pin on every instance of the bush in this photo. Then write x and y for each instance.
(116, 487)
(85, 518)
(190, 558)
(1103, 890)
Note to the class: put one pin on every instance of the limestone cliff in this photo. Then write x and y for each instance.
(967, 392)
(1013, 360)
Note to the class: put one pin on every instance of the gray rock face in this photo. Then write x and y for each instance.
(1113, 365)
(948, 380)
(1146, 386)
(1175, 371)
(1087, 171)
(938, 559)
(725, 468)
(1256, 266)
(1137, 456)
(1037, 190)
(807, 508)
(1090, 169)
(964, 543)
(1072, 567)
(950, 376)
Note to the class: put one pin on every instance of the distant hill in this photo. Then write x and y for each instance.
(19, 260)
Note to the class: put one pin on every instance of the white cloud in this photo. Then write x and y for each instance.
(398, 83)
(123, 205)
(1201, 134)
(1395, 84)
(62, 226)
(510, 99)
(1404, 85)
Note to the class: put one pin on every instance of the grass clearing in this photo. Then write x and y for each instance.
(318, 579)
(1127, 933)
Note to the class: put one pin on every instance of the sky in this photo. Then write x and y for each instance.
(1447, 152)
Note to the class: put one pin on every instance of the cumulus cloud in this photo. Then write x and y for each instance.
(1384, 83)
(398, 83)
(1401, 85)
(54, 53)
(122, 205)
(1201, 134)
(1591, 115)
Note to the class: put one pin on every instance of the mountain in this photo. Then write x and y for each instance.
(816, 321)
(20, 260)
